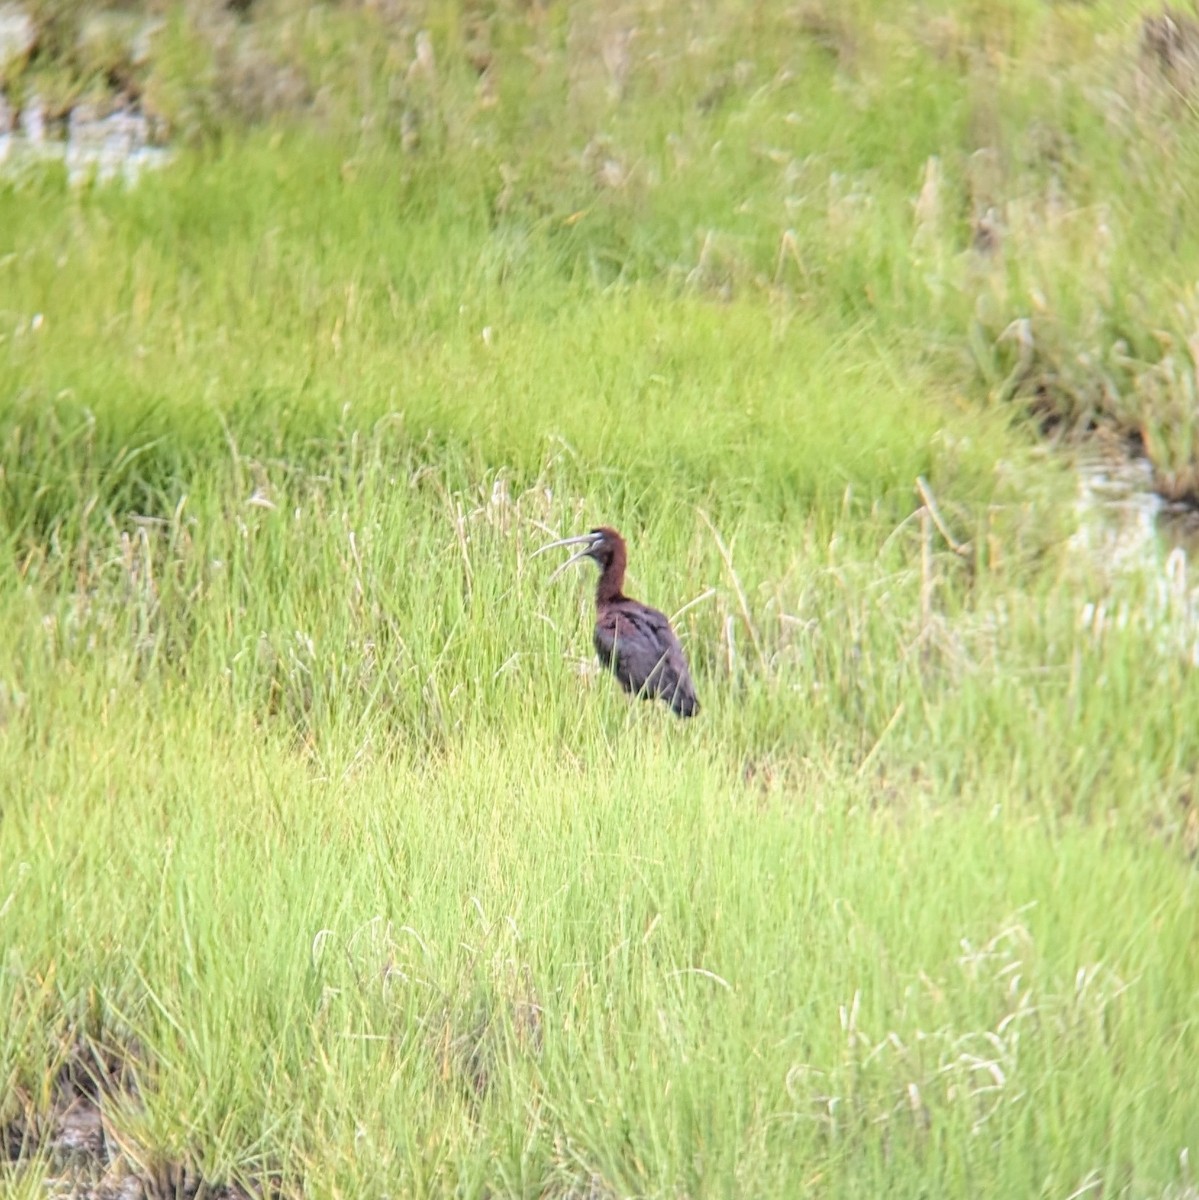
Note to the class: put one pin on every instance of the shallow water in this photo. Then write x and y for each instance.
(118, 144)
(1139, 551)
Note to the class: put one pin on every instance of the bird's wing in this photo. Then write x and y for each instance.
(648, 657)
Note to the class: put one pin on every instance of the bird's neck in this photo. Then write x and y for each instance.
(611, 581)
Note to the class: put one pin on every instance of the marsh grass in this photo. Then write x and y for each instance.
(329, 863)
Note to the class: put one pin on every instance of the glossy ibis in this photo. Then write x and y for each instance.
(635, 642)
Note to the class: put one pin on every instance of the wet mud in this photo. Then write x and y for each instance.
(77, 1143)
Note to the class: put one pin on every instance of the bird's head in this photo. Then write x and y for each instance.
(603, 546)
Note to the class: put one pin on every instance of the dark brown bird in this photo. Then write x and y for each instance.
(635, 642)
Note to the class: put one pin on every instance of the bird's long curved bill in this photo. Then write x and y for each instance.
(585, 540)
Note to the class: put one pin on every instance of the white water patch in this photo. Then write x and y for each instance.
(108, 147)
(117, 145)
(1124, 542)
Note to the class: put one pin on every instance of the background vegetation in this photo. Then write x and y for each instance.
(329, 865)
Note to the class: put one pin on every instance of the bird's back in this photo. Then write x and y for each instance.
(637, 644)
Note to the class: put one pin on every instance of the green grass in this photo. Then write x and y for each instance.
(316, 819)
